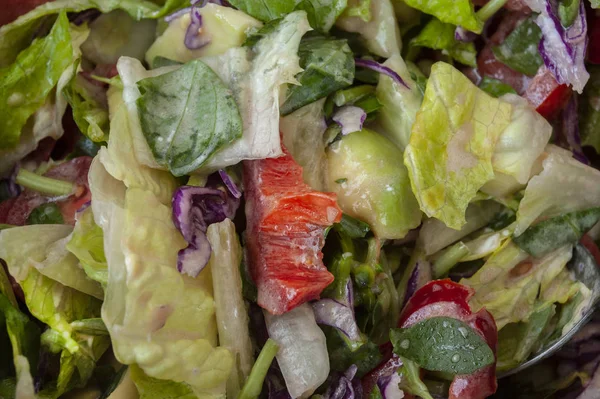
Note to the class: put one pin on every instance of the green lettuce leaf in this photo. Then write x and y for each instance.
(187, 115)
(519, 51)
(328, 66)
(87, 244)
(440, 36)
(589, 111)
(449, 156)
(564, 185)
(302, 133)
(90, 115)
(17, 35)
(153, 388)
(227, 27)
(371, 185)
(459, 13)
(380, 33)
(399, 104)
(36, 71)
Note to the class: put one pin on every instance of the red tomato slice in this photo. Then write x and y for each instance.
(286, 220)
(17, 210)
(546, 94)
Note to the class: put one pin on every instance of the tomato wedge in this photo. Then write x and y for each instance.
(546, 94)
(286, 221)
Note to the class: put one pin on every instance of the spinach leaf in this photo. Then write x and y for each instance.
(328, 66)
(186, 115)
(25, 85)
(495, 87)
(589, 110)
(442, 344)
(553, 233)
(440, 36)
(46, 214)
(519, 51)
(321, 14)
(568, 11)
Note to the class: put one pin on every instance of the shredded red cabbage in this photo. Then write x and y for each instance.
(231, 186)
(335, 314)
(570, 131)
(350, 118)
(345, 386)
(194, 37)
(377, 67)
(463, 35)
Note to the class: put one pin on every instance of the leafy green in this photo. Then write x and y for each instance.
(267, 10)
(568, 10)
(552, 233)
(153, 388)
(519, 50)
(377, 188)
(253, 386)
(352, 227)
(589, 111)
(26, 83)
(399, 104)
(361, 9)
(494, 87)
(186, 115)
(564, 185)
(226, 28)
(342, 356)
(442, 344)
(459, 13)
(440, 36)
(91, 116)
(328, 66)
(45, 214)
(17, 35)
(449, 156)
(87, 244)
(411, 379)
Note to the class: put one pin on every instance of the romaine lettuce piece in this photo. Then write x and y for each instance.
(230, 308)
(380, 32)
(438, 35)
(86, 242)
(29, 80)
(460, 13)
(565, 185)
(225, 26)
(399, 104)
(363, 170)
(302, 133)
(449, 156)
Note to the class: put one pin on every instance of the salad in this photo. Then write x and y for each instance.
(325, 199)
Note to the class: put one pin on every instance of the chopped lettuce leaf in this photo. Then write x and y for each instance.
(449, 156)
(226, 27)
(565, 185)
(153, 388)
(328, 66)
(17, 35)
(302, 133)
(376, 188)
(380, 33)
(89, 113)
(24, 388)
(440, 36)
(87, 244)
(29, 80)
(230, 308)
(522, 142)
(459, 13)
(399, 104)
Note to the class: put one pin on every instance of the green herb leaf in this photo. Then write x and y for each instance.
(25, 85)
(328, 66)
(568, 11)
(440, 36)
(186, 115)
(519, 51)
(589, 112)
(442, 344)
(456, 12)
(495, 87)
(46, 214)
(553, 233)
(352, 227)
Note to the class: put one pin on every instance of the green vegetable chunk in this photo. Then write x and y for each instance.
(456, 12)
(568, 10)
(589, 112)
(90, 116)
(519, 50)
(440, 36)
(46, 214)
(494, 87)
(25, 85)
(553, 233)
(328, 66)
(443, 344)
(186, 115)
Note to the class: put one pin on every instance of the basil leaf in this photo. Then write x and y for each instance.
(328, 66)
(495, 87)
(186, 115)
(568, 11)
(46, 214)
(589, 110)
(25, 85)
(519, 51)
(553, 233)
(442, 344)
(440, 36)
